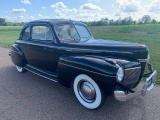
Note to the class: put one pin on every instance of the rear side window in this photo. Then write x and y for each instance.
(41, 33)
(26, 34)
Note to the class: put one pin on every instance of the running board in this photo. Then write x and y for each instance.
(48, 75)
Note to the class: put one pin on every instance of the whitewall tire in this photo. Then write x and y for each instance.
(20, 69)
(88, 92)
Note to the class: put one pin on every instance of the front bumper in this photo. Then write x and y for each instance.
(148, 86)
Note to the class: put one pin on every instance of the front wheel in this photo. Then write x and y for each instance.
(88, 92)
(20, 69)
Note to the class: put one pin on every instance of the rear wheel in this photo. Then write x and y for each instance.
(88, 92)
(20, 69)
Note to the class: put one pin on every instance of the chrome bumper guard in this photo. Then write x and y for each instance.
(148, 86)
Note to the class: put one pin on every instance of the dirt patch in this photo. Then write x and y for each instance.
(139, 32)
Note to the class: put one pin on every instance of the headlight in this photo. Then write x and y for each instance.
(120, 75)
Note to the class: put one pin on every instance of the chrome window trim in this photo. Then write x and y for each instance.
(46, 25)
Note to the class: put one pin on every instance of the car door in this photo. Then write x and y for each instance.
(42, 52)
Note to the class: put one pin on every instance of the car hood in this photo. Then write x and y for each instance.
(101, 42)
(111, 48)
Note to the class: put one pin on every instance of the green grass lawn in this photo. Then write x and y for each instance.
(8, 35)
(144, 34)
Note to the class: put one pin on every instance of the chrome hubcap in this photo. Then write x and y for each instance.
(86, 91)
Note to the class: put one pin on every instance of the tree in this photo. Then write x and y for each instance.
(9, 23)
(154, 21)
(118, 22)
(127, 21)
(111, 22)
(130, 20)
(146, 19)
(2, 22)
(105, 21)
(134, 22)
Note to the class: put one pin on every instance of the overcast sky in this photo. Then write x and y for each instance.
(83, 10)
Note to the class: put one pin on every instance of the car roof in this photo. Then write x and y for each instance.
(57, 21)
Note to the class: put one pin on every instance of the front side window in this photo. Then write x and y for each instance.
(69, 33)
(41, 33)
(26, 34)
(83, 32)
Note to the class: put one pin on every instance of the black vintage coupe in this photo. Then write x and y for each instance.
(64, 51)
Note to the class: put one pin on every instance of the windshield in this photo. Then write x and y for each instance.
(69, 33)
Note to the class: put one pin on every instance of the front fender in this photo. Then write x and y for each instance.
(91, 63)
(17, 55)
(101, 71)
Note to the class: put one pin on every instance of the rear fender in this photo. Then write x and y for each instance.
(17, 55)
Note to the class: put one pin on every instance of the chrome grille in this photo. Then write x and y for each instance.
(131, 76)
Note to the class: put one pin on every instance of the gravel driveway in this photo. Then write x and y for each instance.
(30, 97)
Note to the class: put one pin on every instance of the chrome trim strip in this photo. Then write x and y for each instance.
(132, 68)
(86, 70)
(90, 50)
(142, 60)
(40, 75)
(40, 70)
